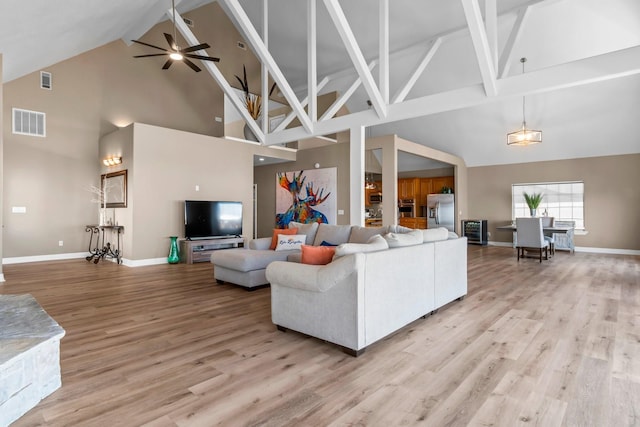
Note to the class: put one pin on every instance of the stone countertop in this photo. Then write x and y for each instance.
(24, 324)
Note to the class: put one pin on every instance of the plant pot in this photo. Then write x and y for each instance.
(532, 211)
(248, 133)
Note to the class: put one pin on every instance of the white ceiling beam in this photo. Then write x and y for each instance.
(383, 46)
(219, 78)
(491, 27)
(595, 69)
(348, 39)
(338, 103)
(417, 73)
(264, 73)
(312, 66)
(514, 36)
(481, 45)
(292, 115)
(249, 31)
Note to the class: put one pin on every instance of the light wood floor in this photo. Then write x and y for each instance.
(551, 344)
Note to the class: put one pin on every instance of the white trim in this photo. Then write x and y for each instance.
(39, 258)
(585, 249)
(2, 277)
(611, 251)
(144, 262)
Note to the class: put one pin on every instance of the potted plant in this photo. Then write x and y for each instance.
(252, 101)
(533, 201)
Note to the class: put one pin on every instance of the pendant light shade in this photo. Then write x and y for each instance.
(524, 136)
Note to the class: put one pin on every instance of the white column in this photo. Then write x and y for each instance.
(356, 175)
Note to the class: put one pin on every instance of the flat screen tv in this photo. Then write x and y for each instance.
(211, 219)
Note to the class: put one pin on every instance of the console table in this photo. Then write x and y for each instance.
(99, 248)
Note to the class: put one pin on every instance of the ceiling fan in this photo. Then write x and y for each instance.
(175, 53)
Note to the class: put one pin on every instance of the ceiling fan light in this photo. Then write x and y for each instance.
(176, 56)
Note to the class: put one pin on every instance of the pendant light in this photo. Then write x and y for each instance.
(524, 136)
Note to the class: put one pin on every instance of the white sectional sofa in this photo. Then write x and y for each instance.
(246, 266)
(361, 297)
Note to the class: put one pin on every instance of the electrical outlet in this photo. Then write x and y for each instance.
(60, 243)
(197, 187)
(340, 212)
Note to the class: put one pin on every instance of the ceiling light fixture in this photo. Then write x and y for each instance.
(524, 136)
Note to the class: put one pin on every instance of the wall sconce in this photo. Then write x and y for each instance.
(112, 161)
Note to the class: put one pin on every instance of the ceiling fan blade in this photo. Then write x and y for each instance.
(196, 48)
(171, 41)
(193, 66)
(150, 45)
(167, 64)
(202, 58)
(151, 54)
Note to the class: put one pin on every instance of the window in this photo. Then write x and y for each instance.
(562, 200)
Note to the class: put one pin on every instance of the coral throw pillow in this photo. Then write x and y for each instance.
(276, 231)
(317, 255)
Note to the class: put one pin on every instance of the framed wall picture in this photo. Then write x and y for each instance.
(114, 187)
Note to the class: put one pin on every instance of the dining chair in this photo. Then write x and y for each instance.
(549, 221)
(530, 237)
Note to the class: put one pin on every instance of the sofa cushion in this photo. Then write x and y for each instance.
(317, 255)
(396, 240)
(399, 229)
(363, 234)
(309, 230)
(435, 234)
(287, 242)
(375, 243)
(246, 259)
(334, 234)
(276, 231)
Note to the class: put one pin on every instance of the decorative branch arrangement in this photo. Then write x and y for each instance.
(252, 101)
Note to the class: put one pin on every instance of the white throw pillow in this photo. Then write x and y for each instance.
(287, 242)
(396, 240)
(375, 243)
(310, 229)
(435, 234)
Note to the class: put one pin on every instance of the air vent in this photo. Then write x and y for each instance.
(242, 45)
(188, 21)
(45, 80)
(27, 122)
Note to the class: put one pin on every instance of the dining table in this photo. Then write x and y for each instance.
(553, 229)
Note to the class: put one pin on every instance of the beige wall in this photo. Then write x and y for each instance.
(93, 94)
(1, 168)
(612, 199)
(335, 155)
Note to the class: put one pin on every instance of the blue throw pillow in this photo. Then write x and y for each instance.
(325, 243)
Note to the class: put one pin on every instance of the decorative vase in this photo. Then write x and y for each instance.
(103, 216)
(248, 133)
(533, 211)
(173, 257)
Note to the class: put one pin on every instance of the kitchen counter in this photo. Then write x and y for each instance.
(373, 222)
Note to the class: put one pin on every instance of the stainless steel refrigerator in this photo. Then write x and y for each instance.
(441, 211)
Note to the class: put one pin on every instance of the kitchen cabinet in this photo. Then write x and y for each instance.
(369, 191)
(407, 222)
(408, 188)
(421, 223)
(442, 181)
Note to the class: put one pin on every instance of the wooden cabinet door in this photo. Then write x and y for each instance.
(407, 222)
(426, 188)
(442, 181)
(421, 223)
(407, 188)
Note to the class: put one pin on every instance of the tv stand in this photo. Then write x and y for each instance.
(200, 250)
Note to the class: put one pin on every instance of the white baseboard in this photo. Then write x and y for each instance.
(79, 255)
(38, 258)
(143, 262)
(581, 249)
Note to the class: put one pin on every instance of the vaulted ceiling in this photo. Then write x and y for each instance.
(457, 61)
